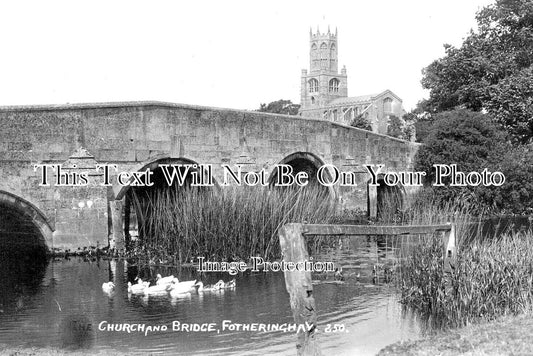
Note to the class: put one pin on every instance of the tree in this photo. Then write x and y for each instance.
(465, 138)
(280, 107)
(516, 194)
(409, 129)
(395, 127)
(492, 70)
(420, 121)
(361, 123)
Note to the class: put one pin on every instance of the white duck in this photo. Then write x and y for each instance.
(157, 289)
(210, 288)
(178, 287)
(138, 288)
(108, 287)
(181, 288)
(164, 280)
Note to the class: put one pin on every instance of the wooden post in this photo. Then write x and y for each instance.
(300, 288)
(372, 201)
(127, 215)
(449, 248)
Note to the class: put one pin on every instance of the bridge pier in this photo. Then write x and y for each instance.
(372, 201)
(116, 238)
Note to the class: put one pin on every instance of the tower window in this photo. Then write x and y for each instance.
(324, 55)
(334, 85)
(314, 55)
(387, 105)
(313, 85)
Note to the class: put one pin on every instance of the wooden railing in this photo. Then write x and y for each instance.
(299, 283)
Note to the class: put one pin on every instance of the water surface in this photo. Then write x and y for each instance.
(60, 304)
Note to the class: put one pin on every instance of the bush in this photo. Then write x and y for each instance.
(473, 142)
(516, 194)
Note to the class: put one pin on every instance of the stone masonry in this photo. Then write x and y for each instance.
(139, 134)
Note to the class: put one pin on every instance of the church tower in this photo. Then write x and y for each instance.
(322, 83)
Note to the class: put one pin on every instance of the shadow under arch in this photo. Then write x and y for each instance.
(153, 165)
(135, 197)
(304, 162)
(23, 226)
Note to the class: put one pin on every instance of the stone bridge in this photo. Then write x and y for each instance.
(140, 135)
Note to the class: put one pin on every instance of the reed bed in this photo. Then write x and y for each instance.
(490, 278)
(491, 275)
(224, 224)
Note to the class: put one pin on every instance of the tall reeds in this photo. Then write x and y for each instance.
(491, 275)
(225, 224)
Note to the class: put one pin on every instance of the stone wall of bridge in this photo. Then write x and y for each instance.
(135, 135)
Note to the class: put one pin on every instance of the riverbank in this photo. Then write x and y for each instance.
(509, 335)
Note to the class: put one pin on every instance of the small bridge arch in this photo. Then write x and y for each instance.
(304, 162)
(125, 192)
(152, 165)
(22, 220)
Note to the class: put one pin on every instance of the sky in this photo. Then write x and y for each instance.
(233, 54)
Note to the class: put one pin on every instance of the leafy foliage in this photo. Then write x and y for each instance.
(473, 142)
(422, 122)
(492, 70)
(465, 138)
(280, 107)
(362, 123)
(395, 127)
(516, 194)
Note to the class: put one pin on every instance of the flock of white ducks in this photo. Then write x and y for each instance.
(170, 285)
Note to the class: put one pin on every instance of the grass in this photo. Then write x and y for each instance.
(504, 336)
(224, 224)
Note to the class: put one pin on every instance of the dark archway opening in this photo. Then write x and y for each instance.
(151, 213)
(23, 252)
(19, 234)
(302, 162)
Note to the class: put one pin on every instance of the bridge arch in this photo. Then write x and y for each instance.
(140, 195)
(304, 162)
(152, 165)
(23, 221)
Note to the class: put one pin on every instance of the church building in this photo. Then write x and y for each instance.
(324, 91)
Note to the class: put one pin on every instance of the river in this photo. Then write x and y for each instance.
(59, 303)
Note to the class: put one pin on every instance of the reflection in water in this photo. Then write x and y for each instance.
(63, 306)
(20, 275)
